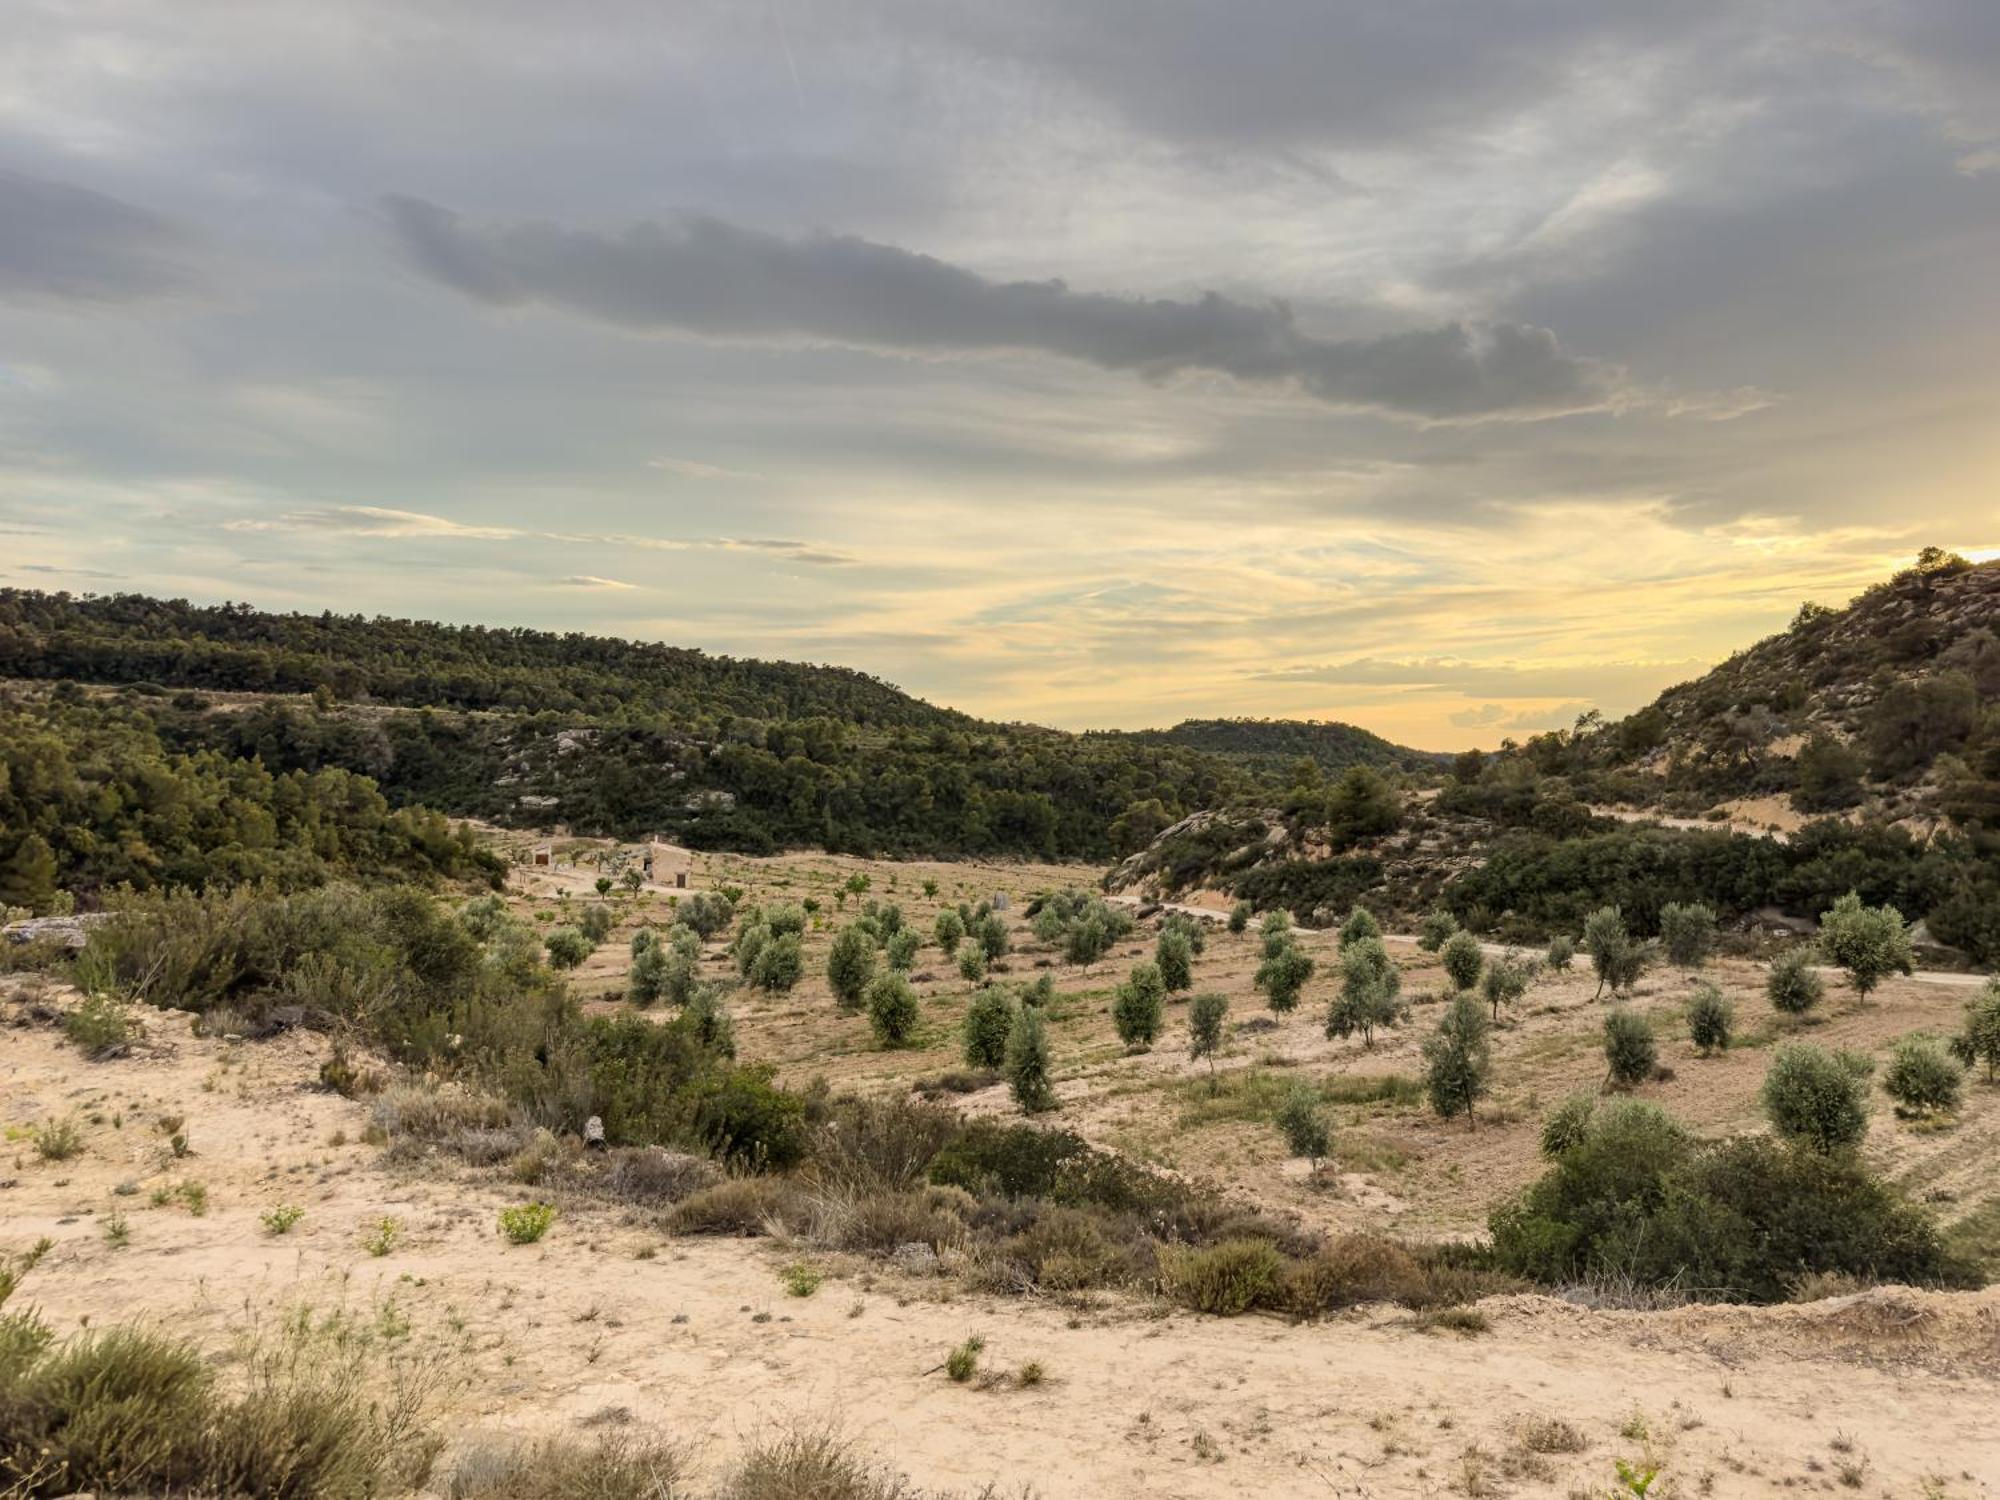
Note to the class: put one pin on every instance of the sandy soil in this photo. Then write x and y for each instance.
(1893, 1389)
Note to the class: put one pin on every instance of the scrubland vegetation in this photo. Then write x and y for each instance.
(1322, 1088)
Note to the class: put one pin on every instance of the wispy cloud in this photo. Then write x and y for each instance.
(410, 525)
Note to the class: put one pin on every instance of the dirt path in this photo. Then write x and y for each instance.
(699, 1337)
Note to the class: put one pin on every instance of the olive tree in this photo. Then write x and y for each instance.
(1207, 1017)
(1687, 933)
(1629, 1048)
(1816, 1097)
(1370, 991)
(850, 964)
(1870, 942)
(1711, 1019)
(1302, 1121)
(1282, 975)
(1462, 958)
(1138, 1004)
(1027, 1061)
(988, 1020)
(892, 1009)
(1458, 1059)
(1174, 954)
(1793, 986)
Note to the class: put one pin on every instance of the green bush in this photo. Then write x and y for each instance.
(596, 922)
(1637, 1197)
(1173, 956)
(1360, 924)
(1568, 1123)
(1137, 1006)
(1687, 933)
(1923, 1077)
(1283, 974)
(1436, 930)
(99, 1027)
(1616, 957)
(1871, 943)
(901, 949)
(948, 931)
(1816, 1097)
(1239, 916)
(1027, 1061)
(1207, 1020)
(1979, 1042)
(1226, 1279)
(971, 963)
(1370, 993)
(568, 947)
(988, 1019)
(1506, 980)
(1793, 986)
(1562, 953)
(1710, 1018)
(892, 1009)
(1462, 959)
(1629, 1048)
(1303, 1124)
(135, 1411)
(779, 963)
(850, 964)
(525, 1223)
(1458, 1059)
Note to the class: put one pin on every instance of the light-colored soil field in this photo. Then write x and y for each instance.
(1397, 1167)
(699, 1337)
(610, 1320)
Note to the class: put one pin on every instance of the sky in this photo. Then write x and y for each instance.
(1445, 366)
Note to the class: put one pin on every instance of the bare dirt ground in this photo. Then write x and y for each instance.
(609, 1320)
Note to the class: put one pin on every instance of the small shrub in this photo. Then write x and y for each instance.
(1225, 1279)
(800, 1279)
(988, 1019)
(1711, 1018)
(1871, 943)
(971, 963)
(525, 1223)
(736, 1205)
(850, 965)
(568, 947)
(1794, 987)
(963, 1361)
(100, 1027)
(1173, 958)
(901, 948)
(382, 1238)
(657, 1178)
(610, 1466)
(280, 1220)
(1208, 1016)
(1458, 1059)
(1283, 974)
(1506, 980)
(58, 1140)
(1239, 916)
(1462, 960)
(1436, 930)
(1137, 1007)
(1567, 1124)
(1616, 957)
(1817, 1097)
(1687, 933)
(892, 1009)
(1562, 953)
(1979, 1042)
(780, 963)
(1923, 1077)
(1629, 1048)
(1303, 1124)
(1360, 924)
(1027, 1061)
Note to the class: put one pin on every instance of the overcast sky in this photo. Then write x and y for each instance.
(1447, 366)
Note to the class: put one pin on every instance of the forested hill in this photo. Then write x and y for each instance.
(1281, 743)
(601, 736)
(129, 638)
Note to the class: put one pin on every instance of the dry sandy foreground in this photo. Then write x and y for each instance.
(1890, 1394)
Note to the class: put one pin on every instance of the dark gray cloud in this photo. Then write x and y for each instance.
(69, 243)
(701, 276)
